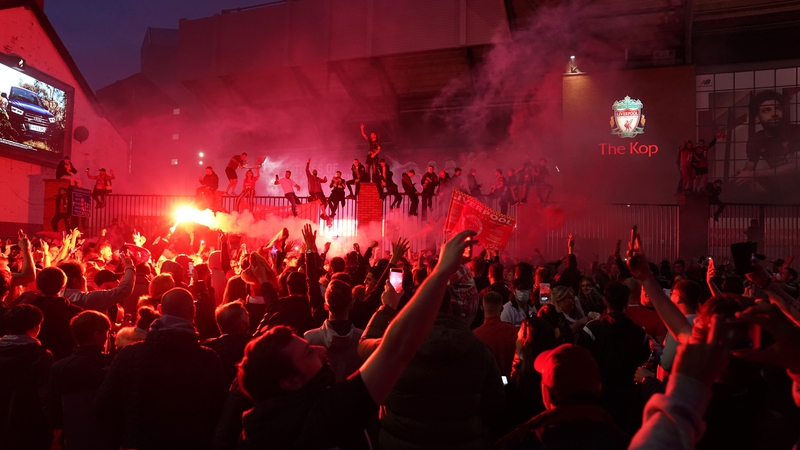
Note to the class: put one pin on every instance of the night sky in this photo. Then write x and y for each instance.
(105, 36)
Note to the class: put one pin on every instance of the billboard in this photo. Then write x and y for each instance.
(758, 111)
(621, 134)
(33, 114)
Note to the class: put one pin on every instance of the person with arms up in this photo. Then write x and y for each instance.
(298, 404)
(288, 186)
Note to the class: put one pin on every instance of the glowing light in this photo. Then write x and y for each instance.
(571, 57)
(189, 214)
(296, 248)
(201, 163)
(201, 154)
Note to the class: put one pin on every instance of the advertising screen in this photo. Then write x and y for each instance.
(622, 131)
(758, 111)
(33, 115)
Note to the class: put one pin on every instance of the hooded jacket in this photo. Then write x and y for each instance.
(24, 365)
(165, 392)
(447, 394)
(342, 349)
(56, 335)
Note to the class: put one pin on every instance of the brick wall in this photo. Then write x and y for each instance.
(370, 206)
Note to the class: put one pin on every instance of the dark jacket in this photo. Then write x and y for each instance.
(447, 395)
(230, 349)
(572, 427)
(408, 185)
(56, 335)
(72, 388)
(65, 169)
(24, 366)
(292, 311)
(84, 370)
(165, 392)
(619, 346)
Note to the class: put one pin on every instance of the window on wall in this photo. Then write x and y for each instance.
(758, 113)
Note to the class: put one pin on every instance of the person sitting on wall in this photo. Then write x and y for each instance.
(102, 186)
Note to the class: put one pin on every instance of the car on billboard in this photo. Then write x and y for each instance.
(28, 115)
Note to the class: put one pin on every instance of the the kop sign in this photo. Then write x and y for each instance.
(628, 121)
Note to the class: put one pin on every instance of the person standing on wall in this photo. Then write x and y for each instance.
(102, 186)
(315, 188)
(62, 210)
(289, 186)
(374, 142)
(236, 162)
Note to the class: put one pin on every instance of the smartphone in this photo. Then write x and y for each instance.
(544, 293)
(468, 251)
(741, 334)
(743, 255)
(632, 244)
(191, 268)
(504, 379)
(396, 279)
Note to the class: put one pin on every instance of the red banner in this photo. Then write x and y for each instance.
(468, 213)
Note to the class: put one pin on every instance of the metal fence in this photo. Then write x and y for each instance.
(597, 228)
(777, 229)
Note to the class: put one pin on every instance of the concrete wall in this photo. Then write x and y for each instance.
(22, 202)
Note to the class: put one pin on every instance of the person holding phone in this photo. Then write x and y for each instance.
(280, 368)
(288, 186)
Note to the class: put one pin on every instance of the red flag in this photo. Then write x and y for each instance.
(468, 213)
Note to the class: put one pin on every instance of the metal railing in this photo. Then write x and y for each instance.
(777, 231)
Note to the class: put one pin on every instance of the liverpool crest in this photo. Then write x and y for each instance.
(628, 120)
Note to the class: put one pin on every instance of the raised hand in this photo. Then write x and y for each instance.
(704, 361)
(637, 262)
(24, 242)
(785, 352)
(452, 252)
(327, 247)
(309, 238)
(390, 297)
(399, 249)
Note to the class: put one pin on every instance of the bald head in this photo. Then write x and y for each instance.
(178, 302)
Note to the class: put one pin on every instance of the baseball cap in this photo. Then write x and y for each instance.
(104, 276)
(570, 372)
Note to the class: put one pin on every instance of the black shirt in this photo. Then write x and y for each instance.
(776, 149)
(312, 418)
(211, 181)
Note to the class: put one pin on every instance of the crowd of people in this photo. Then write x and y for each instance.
(187, 338)
(510, 187)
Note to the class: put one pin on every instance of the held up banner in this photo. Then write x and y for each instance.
(468, 213)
